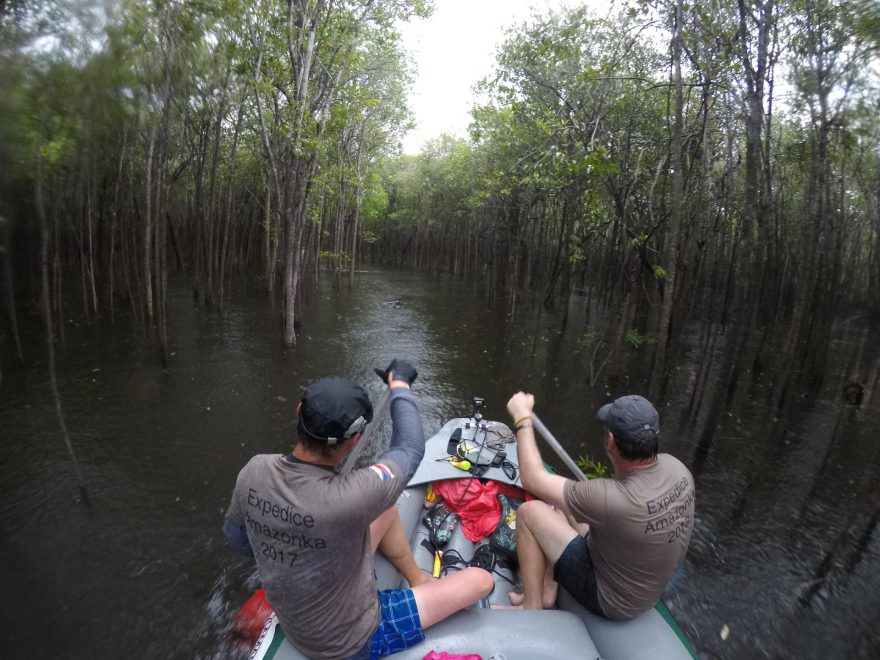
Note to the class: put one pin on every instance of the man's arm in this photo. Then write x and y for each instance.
(236, 536)
(538, 481)
(407, 435)
(233, 529)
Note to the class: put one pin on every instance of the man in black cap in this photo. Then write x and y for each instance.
(612, 543)
(313, 531)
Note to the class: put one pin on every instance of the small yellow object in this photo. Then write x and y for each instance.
(462, 465)
(438, 563)
(463, 449)
(430, 496)
(725, 632)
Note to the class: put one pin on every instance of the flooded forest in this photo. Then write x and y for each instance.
(689, 190)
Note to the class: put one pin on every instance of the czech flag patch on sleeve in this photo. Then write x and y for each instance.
(382, 471)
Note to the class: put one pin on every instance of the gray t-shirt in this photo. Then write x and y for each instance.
(309, 529)
(640, 527)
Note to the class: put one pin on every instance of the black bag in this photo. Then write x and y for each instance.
(441, 523)
(503, 539)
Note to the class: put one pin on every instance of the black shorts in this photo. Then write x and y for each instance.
(574, 570)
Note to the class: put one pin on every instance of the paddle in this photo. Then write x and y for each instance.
(400, 370)
(249, 620)
(365, 436)
(555, 446)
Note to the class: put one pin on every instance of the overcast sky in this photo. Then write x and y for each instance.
(452, 50)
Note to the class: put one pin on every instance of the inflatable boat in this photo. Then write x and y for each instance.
(473, 462)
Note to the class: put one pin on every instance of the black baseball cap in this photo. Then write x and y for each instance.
(629, 416)
(334, 409)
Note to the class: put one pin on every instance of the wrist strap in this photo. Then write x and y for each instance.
(517, 421)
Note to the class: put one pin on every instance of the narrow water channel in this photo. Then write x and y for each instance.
(142, 571)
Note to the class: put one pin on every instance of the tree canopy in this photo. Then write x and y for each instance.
(700, 165)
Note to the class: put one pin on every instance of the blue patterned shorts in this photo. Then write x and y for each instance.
(399, 624)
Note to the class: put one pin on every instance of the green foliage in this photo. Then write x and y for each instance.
(865, 20)
(374, 204)
(636, 340)
(565, 179)
(590, 338)
(591, 467)
(431, 190)
(54, 150)
(638, 242)
(339, 259)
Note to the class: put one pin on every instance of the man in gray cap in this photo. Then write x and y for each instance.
(313, 531)
(612, 543)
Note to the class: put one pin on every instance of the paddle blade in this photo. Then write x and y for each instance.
(251, 618)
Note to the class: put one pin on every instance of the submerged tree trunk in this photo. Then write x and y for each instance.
(677, 201)
(50, 334)
(147, 256)
(6, 255)
(741, 311)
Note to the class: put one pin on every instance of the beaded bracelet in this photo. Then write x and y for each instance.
(524, 425)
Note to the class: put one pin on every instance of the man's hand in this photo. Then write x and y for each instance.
(399, 373)
(520, 405)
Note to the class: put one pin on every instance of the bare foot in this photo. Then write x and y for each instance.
(548, 597)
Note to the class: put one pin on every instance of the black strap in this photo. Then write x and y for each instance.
(509, 470)
(454, 439)
(484, 558)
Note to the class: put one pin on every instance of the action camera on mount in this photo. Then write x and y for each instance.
(479, 403)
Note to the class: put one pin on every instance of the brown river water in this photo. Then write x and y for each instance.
(142, 570)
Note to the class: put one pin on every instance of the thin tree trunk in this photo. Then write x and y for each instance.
(91, 249)
(148, 230)
(50, 335)
(673, 233)
(227, 215)
(6, 255)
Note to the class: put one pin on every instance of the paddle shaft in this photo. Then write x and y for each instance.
(365, 436)
(555, 446)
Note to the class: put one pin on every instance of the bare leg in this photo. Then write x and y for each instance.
(542, 534)
(548, 592)
(532, 564)
(582, 529)
(387, 535)
(437, 599)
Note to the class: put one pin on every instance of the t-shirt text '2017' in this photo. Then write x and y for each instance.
(291, 539)
(671, 513)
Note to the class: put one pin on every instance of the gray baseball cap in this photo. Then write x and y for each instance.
(627, 416)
